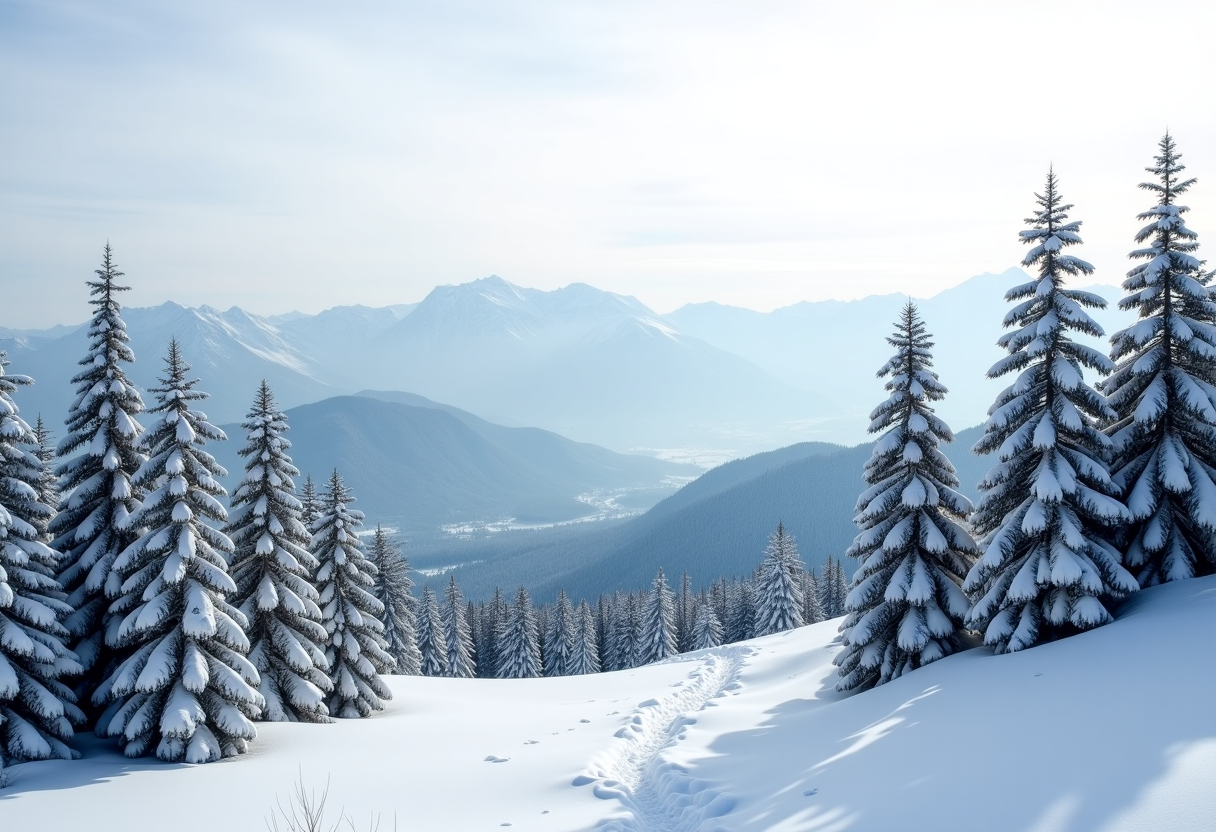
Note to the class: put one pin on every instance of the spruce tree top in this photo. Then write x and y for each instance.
(103, 393)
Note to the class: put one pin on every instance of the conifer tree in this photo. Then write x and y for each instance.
(658, 638)
(185, 690)
(742, 615)
(432, 644)
(393, 589)
(272, 569)
(518, 647)
(686, 614)
(1049, 504)
(1163, 392)
(560, 641)
(102, 454)
(584, 656)
(47, 487)
(812, 610)
(458, 641)
(492, 622)
(707, 629)
(906, 607)
(349, 610)
(36, 708)
(310, 506)
(779, 586)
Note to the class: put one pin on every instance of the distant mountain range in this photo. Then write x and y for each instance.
(436, 473)
(578, 361)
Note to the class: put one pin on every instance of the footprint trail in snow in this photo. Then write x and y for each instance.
(659, 795)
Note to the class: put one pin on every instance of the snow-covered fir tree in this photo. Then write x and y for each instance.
(833, 589)
(686, 613)
(310, 505)
(658, 635)
(394, 589)
(1048, 505)
(272, 569)
(47, 487)
(1163, 392)
(812, 609)
(560, 638)
(356, 651)
(457, 639)
(36, 708)
(101, 455)
(779, 586)
(185, 690)
(432, 645)
(491, 624)
(706, 628)
(905, 608)
(518, 644)
(742, 611)
(584, 656)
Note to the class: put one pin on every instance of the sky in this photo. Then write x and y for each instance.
(302, 155)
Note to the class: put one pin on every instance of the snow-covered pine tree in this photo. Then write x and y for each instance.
(457, 640)
(560, 639)
(393, 590)
(779, 586)
(658, 635)
(36, 708)
(47, 487)
(1163, 392)
(492, 621)
(707, 629)
(584, 656)
(1048, 505)
(185, 689)
(101, 451)
(518, 646)
(272, 569)
(310, 505)
(432, 646)
(906, 607)
(350, 612)
(742, 620)
(812, 610)
(686, 614)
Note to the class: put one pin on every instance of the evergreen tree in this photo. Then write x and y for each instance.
(272, 569)
(36, 708)
(310, 506)
(103, 435)
(658, 640)
(742, 616)
(1163, 392)
(707, 630)
(905, 608)
(812, 610)
(393, 590)
(560, 640)
(779, 587)
(686, 613)
(432, 645)
(47, 487)
(584, 656)
(185, 689)
(458, 642)
(1049, 504)
(492, 622)
(518, 648)
(349, 610)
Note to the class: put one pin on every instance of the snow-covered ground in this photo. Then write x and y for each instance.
(1113, 729)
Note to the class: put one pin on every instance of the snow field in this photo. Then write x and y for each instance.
(1111, 730)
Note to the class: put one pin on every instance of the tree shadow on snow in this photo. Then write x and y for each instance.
(100, 762)
(1066, 736)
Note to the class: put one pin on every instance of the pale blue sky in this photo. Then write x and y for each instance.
(307, 154)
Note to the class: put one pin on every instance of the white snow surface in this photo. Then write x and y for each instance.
(1112, 729)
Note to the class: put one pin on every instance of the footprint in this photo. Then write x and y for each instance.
(532, 742)
(810, 792)
(584, 720)
(493, 759)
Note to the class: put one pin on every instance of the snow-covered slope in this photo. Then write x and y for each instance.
(1112, 729)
